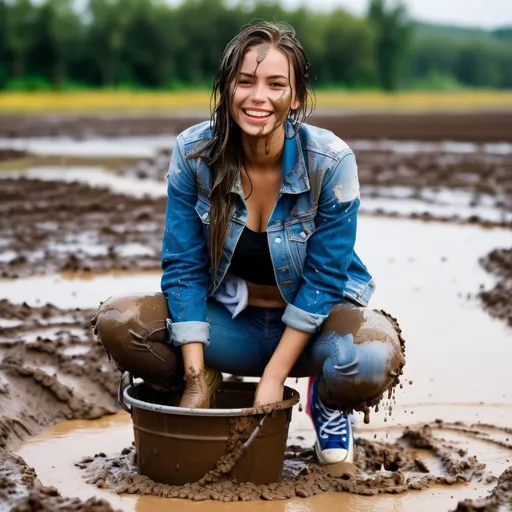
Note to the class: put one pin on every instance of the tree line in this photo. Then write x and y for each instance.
(151, 44)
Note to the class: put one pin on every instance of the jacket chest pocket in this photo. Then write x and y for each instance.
(297, 234)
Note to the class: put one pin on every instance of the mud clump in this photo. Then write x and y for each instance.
(498, 300)
(43, 500)
(500, 498)
(240, 430)
(381, 468)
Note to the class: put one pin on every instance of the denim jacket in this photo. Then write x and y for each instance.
(311, 232)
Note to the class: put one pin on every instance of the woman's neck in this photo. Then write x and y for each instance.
(263, 152)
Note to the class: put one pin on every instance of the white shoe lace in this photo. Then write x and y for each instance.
(333, 422)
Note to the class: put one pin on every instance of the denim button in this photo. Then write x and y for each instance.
(278, 240)
(302, 234)
(205, 216)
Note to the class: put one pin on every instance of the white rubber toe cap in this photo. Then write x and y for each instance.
(334, 455)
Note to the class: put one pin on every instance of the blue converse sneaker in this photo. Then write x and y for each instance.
(334, 438)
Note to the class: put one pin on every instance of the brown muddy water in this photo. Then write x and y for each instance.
(457, 360)
(443, 438)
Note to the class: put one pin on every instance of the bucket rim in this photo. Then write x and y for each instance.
(184, 411)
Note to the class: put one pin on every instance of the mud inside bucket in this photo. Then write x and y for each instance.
(175, 446)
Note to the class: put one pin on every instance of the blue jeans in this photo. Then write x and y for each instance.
(357, 353)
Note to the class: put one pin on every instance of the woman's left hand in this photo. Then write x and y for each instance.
(269, 391)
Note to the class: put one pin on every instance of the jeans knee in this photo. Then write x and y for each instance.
(365, 358)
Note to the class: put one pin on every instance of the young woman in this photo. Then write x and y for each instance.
(260, 277)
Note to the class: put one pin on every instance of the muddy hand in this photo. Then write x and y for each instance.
(196, 394)
(269, 391)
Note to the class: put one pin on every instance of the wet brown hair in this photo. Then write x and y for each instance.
(223, 151)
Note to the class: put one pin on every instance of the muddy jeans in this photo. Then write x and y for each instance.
(357, 352)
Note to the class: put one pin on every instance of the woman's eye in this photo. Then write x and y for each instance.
(243, 82)
(277, 84)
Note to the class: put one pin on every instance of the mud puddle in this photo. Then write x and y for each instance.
(93, 176)
(90, 146)
(457, 361)
(413, 147)
(112, 435)
(405, 201)
(121, 214)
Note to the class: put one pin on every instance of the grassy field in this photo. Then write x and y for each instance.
(160, 102)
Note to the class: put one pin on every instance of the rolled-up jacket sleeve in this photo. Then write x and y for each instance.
(184, 255)
(330, 248)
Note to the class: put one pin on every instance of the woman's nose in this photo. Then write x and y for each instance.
(258, 93)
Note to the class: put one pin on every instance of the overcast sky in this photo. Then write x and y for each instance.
(477, 13)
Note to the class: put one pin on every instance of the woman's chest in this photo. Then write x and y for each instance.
(261, 192)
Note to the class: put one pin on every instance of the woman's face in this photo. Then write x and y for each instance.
(263, 93)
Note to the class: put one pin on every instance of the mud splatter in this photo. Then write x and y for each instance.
(261, 54)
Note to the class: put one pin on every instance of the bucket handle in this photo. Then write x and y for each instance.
(254, 434)
(126, 378)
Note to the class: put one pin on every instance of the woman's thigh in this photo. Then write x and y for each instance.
(241, 345)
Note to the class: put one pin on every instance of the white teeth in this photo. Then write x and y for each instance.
(257, 113)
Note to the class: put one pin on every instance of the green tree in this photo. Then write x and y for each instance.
(349, 50)
(393, 35)
(109, 19)
(478, 66)
(19, 17)
(63, 30)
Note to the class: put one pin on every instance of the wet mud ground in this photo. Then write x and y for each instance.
(447, 444)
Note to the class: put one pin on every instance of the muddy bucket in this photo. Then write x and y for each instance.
(175, 445)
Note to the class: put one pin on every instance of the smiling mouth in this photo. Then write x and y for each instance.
(256, 113)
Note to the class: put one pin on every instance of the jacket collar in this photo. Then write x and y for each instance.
(295, 175)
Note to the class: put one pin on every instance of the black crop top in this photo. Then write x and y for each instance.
(251, 260)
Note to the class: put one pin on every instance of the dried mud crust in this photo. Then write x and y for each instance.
(461, 126)
(498, 300)
(381, 468)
